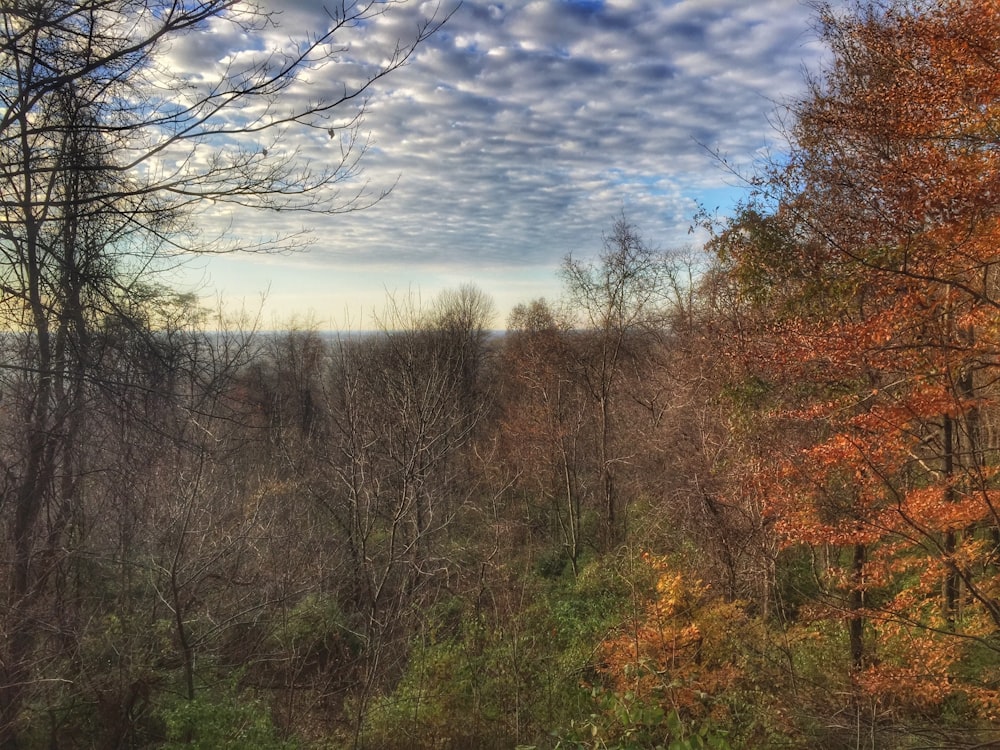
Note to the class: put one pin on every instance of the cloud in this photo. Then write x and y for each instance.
(517, 133)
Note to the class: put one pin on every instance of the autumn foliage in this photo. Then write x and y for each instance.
(673, 650)
(884, 341)
(749, 501)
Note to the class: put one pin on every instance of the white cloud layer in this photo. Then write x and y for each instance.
(518, 132)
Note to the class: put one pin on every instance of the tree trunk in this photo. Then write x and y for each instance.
(856, 603)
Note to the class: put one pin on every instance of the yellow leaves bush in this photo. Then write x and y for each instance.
(679, 649)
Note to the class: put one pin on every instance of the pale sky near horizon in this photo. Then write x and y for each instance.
(516, 135)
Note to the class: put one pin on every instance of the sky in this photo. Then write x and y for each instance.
(515, 136)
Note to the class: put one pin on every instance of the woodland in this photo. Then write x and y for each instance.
(742, 497)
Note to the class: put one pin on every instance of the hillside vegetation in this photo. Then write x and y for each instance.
(745, 497)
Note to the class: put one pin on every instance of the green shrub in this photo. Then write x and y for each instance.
(221, 719)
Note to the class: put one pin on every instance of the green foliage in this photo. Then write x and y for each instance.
(775, 270)
(981, 664)
(443, 701)
(553, 564)
(796, 581)
(748, 395)
(501, 678)
(219, 719)
(315, 632)
(629, 723)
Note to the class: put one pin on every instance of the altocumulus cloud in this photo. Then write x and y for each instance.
(518, 132)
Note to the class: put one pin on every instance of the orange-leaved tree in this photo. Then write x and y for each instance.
(886, 337)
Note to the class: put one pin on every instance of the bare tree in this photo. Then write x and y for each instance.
(376, 430)
(107, 157)
(621, 301)
(546, 418)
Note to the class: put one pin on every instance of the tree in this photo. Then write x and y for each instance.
(621, 301)
(107, 160)
(884, 216)
(375, 433)
(545, 419)
(108, 57)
